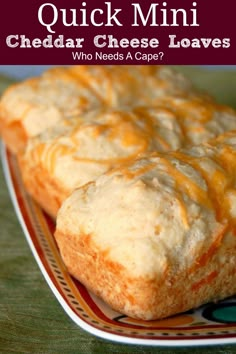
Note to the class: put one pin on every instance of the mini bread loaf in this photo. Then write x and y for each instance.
(31, 107)
(142, 167)
(77, 151)
(156, 237)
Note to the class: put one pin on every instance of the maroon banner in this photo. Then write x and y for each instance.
(115, 32)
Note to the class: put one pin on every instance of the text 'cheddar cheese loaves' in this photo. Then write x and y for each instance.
(156, 237)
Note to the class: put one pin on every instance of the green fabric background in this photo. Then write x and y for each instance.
(31, 319)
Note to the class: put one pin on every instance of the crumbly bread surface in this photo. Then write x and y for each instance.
(31, 107)
(76, 152)
(156, 237)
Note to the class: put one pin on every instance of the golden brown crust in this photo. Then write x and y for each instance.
(43, 187)
(13, 135)
(143, 298)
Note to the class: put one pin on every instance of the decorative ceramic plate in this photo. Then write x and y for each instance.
(209, 324)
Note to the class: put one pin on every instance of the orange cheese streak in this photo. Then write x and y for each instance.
(55, 152)
(150, 124)
(202, 260)
(35, 154)
(207, 280)
(121, 128)
(205, 112)
(218, 183)
(199, 108)
(183, 209)
(228, 158)
(50, 154)
(185, 184)
(214, 197)
(81, 76)
(125, 170)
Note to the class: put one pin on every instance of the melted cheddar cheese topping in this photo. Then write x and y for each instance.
(160, 213)
(62, 93)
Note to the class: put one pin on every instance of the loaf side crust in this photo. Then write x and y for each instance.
(44, 189)
(13, 135)
(143, 298)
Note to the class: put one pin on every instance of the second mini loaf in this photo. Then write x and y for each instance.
(78, 151)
